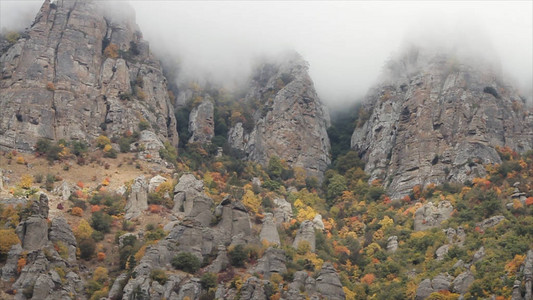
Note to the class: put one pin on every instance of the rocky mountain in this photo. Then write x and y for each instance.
(436, 117)
(81, 71)
(290, 121)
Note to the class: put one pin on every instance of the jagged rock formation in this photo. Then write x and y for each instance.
(269, 232)
(437, 118)
(290, 121)
(191, 201)
(138, 198)
(39, 277)
(81, 72)
(201, 122)
(306, 233)
(327, 285)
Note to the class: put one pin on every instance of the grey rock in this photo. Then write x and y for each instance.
(63, 190)
(478, 255)
(60, 231)
(235, 226)
(490, 222)
(256, 182)
(221, 262)
(191, 201)
(528, 275)
(252, 289)
(273, 261)
(33, 233)
(190, 289)
(328, 283)
(428, 286)
(9, 270)
(437, 117)
(155, 182)
(306, 233)
(57, 83)
(291, 122)
(138, 198)
(441, 252)
(116, 290)
(429, 215)
(282, 211)
(201, 122)
(43, 286)
(462, 282)
(269, 232)
(392, 244)
(317, 222)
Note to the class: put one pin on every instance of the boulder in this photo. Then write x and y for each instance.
(427, 286)
(221, 262)
(392, 244)
(155, 182)
(269, 232)
(490, 222)
(273, 261)
(430, 215)
(138, 198)
(328, 283)
(306, 233)
(462, 282)
(282, 211)
(60, 232)
(191, 201)
(441, 252)
(252, 289)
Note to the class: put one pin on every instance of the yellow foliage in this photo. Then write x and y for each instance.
(276, 279)
(102, 141)
(386, 222)
(512, 266)
(372, 249)
(26, 181)
(378, 235)
(20, 160)
(349, 294)
(9, 238)
(100, 274)
(139, 255)
(251, 201)
(84, 230)
(108, 148)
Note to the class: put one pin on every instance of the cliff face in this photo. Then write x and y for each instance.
(438, 119)
(80, 73)
(290, 121)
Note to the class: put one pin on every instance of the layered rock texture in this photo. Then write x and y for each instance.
(289, 121)
(437, 118)
(81, 72)
(201, 122)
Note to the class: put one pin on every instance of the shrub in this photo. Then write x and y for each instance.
(87, 247)
(101, 221)
(102, 141)
(9, 238)
(159, 276)
(83, 231)
(186, 261)
(77, 211)
(111, 51)
(143, 125)
(238, 256)
(100, 256)
(208, 280)
(50, 86)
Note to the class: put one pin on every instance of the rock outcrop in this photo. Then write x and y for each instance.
(33, 231)
(201, 122)
(269, 232)
(430, 215)
(428, 286)
(290, 121)
(328, 283)
(191, 201)
(138, 198)
(306, 233)
(438, 117)
(78, 73)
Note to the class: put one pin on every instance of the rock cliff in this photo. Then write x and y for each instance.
(438, 117)
(289, 120)
(78, 73)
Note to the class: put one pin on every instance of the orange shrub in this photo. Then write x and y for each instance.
(529, 201)
(368, 279)
(76, 211)
(95, 208)
(111, 51)
(80, 184)
(20, 264)
(101, 256)
(155, 209)
(20, 160)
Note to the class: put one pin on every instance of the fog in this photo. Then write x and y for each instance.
(347, 43)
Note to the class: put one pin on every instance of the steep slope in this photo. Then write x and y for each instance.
(438, 118)
(289, 121)
(80, 73)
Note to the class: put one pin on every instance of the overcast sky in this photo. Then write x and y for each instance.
(346, 42)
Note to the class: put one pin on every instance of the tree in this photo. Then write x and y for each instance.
(101, 221)
(274, 167)
(186, 261)
(83, 231)
(9, 238)
(238, 256)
